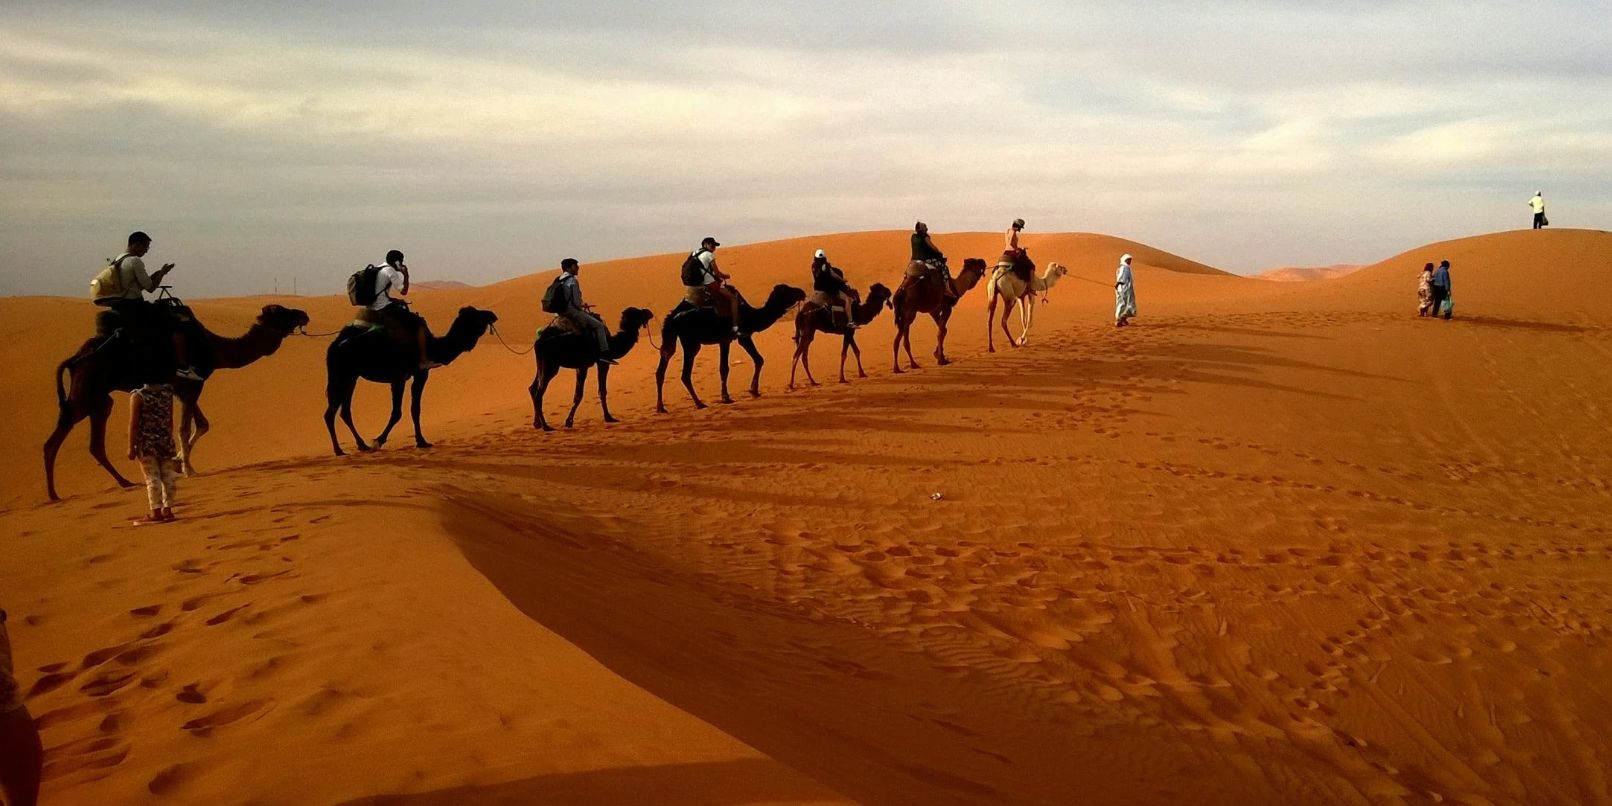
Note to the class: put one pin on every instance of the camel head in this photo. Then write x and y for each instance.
(784, 296)
(282, 319)
(472, 321)
(975, 264)
(879, 294)
(635, 318)
(1055, 270)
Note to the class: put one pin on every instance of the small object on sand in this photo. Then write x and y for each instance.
(935, 496)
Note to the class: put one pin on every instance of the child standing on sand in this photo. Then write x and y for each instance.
(151, 441)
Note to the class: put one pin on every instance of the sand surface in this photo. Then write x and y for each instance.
(1278, 543)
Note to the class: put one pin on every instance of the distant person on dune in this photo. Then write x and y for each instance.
(1424, 292)
(394, 276)
(580, 313)
(151, 443)
(1537, 204)
(1443, 303)
(1124, 293)
(21, 755)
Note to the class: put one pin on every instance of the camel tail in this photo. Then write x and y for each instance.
(61, 389)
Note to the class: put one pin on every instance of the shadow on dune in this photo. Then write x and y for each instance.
(1519, 324)
(709, 783)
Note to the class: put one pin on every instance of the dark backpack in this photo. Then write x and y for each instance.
(554, 297)
(361, 286)
(694, 270)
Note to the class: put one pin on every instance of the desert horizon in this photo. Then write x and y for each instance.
(1274, 543)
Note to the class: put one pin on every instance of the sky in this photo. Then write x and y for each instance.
(267, 146)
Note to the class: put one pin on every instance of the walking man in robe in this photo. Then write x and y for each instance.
(1124, 293)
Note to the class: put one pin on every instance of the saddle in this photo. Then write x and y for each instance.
(562, 326)
(701, 298)
(1017, 262)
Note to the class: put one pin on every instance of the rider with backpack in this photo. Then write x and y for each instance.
(564, 297)
(376, 296)
(700, 273)
(122, 286)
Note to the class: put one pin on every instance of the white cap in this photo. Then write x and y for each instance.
(1125, 258)
(820, 254)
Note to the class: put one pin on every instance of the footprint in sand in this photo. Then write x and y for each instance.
(229, 715)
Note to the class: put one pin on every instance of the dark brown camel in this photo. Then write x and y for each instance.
(814, 318)
(104, 365)
(926, 296)
(375, 355)
(694, 327)
(560, 349)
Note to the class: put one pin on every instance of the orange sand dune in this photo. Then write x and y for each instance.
(1278, 543)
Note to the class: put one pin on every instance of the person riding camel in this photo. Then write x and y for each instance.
(925, 252)
(578, 313)
(394, 275)
(142, 316)
(713, 281)
(829, 282)
(1012, 251)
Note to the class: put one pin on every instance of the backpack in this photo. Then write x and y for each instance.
(693, 270)
(361, 286)
(109, 282)
(554, 297)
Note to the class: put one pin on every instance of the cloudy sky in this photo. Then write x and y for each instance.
(269, 142)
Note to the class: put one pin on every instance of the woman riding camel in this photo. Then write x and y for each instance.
(924, 251)
(828, 280)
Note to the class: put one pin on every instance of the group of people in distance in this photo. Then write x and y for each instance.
(1433, 291)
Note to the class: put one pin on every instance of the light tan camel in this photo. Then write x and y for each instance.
(1016, 293)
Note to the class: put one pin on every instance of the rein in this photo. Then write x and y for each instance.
(494, 329)
(302, 331)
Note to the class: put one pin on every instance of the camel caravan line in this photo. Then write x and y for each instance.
(124, 355)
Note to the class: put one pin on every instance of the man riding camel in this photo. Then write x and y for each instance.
(138, 314)
(394, 275)
(924, 251)
(578, 313)
(712, 280)
(829, 282)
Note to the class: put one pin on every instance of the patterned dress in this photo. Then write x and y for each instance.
(154, 437)
(1424, 294)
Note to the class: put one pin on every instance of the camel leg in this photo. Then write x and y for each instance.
(604, 393)
(990, 320)
(417, 391)
(347, 416)
(535, 390)
(666, 352)
(723, 351)
(845, 347)
(1007, 313)
(856, 351)
(397, 414)
(66, 417)
(193, 428)
(895, 349)
(576, 400)
(339, 395)
(803, 342)
(941, 317)
(749, 345)
(691, 349)
(98, 418)
(1027, 313)
(804, 353)
(540, 388)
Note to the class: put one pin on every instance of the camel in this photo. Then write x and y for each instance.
(814, 318)
(374, 355)
(699, 326)
(557, 349)
(104, 365)
(926, 296)
(1016, 293)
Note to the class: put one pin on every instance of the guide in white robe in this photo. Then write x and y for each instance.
(1124, 292)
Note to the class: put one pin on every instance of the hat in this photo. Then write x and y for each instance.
(819, 254)
(1018, 222)
(1125, 258)
(709, 240)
